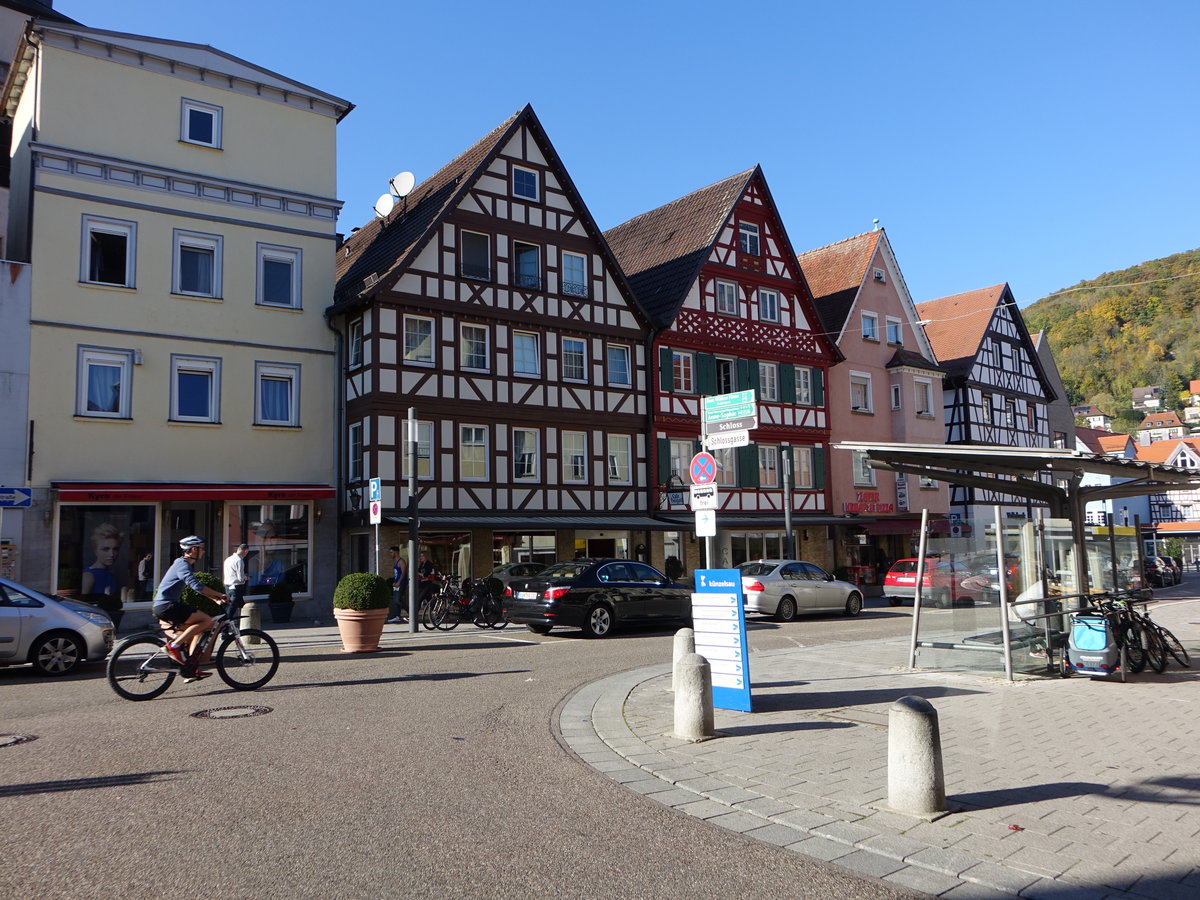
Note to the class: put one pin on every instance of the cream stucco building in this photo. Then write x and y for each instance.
(177, 208)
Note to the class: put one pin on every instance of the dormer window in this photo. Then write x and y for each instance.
(525, 183)
(200, 123)
(748, 238)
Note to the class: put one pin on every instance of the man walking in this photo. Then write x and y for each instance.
(145, 575)
(399, 586)
(235, 573)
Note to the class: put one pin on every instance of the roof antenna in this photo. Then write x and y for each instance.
(875, 222)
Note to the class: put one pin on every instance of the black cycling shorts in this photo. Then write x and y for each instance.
(177, 613)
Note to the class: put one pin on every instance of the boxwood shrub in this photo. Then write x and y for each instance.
(362, 590)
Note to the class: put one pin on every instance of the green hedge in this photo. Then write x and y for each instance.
(362, 590)
(198, 600)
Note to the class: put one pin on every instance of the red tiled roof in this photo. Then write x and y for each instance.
(1113, 443)
(1165, 419)
(1161, 451)
(956, 325)
(840, 266)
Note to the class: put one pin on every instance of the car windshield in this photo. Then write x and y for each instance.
(905, 566)
(564, 570)
(756, 569)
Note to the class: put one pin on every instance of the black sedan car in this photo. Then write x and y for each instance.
(596, 595)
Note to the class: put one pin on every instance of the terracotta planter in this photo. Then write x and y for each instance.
(360, 629)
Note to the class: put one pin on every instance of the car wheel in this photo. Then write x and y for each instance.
(598, 622)
(786, 610)
(895, 601)
(941, 599)
(540, 629)
(56, 654)
(854, 605)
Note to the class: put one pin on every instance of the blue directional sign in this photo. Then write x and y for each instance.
(719, 623)
(15, 498)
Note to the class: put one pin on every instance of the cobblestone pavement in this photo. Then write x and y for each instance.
(1060, 788)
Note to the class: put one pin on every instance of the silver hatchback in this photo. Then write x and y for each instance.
(53, 633)
(784, 587)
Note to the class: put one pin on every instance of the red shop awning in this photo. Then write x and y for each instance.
(134, 492)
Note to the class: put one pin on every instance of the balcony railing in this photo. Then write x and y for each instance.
(574, 288)
(529, 282)
(477, 272)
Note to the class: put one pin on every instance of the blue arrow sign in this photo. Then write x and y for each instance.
(15, 498)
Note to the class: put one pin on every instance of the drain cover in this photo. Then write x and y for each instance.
(11, 740)
(232, 712)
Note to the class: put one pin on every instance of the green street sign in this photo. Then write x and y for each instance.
(726, 412)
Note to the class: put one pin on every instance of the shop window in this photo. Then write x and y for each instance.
(99, 548)
(279, 539)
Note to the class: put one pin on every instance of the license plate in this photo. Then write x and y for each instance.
(526, 595)
(912, 580)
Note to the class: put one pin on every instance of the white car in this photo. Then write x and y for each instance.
(55, 634)
(785, 587)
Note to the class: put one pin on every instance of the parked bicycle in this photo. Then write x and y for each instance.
(465, 601)
(140, 669)
(1136, 639)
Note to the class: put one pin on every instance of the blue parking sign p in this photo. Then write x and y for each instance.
(376, 490)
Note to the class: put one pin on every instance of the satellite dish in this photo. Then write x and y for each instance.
(402, 184)
(384, 205)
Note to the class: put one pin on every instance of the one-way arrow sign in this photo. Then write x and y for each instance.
(15, 498)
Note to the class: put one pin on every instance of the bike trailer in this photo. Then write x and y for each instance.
(1092, 648)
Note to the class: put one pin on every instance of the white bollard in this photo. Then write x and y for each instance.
(685, 643)
(693, 699)
(916, 783)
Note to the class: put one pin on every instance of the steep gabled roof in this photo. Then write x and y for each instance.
(839, 266)
(1161, 451)
(1114, 444)
(374, 257)
(662, 251)
(956, 324)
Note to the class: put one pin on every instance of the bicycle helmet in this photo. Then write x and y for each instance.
(192, 541)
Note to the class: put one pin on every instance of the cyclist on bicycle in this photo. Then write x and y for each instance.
(188, 622)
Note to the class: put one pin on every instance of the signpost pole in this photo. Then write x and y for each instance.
(786, 452)
(708, 541)
(413, 524)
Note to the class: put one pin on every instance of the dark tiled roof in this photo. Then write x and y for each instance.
(914, 360)
(662, 251)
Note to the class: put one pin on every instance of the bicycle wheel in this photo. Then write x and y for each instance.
(1156, 650)
(445, 613)
(139, 669)
(425, 614)
(1173, 646)
(1135, 652)
(492, 614)
(245, 666)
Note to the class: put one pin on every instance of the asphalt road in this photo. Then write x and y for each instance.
(429, 769)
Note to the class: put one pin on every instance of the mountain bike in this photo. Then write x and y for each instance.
(140, 669)
(472, 601)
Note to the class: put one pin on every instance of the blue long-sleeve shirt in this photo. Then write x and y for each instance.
(179, 576)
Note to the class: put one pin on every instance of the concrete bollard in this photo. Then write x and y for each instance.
(251, 618)
(916, 783)
(685, 643)
(693, 699)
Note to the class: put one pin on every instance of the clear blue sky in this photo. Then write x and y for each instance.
(1038, 143)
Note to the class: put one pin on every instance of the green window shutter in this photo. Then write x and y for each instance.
(818, 387)
(747, 375)
(664, 460)
(818, 468)
(787, 382)
(666, 373)
(706, 374)
(748, 466)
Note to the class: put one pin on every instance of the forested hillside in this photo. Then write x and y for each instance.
(1127, 329)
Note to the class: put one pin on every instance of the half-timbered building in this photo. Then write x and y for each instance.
(716, 273)
(888, 390)
(489, 302)
(995, 391)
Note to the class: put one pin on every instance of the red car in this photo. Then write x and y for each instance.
(941, 586)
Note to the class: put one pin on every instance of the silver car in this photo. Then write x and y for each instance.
(55, 634)
(784, 587)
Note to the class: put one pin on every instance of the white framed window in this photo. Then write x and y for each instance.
(103, 383)
(279, 276)
(870, 326)
(424, 451)
(864, 475)
(802, 467)
(574, 457)
(475, 256)
(619, 373)
(527, 266)
(195, 389)
(768, 466)
(768, 305)
(683, 372)
(924, 391)
(726, 375)
(526, 360)
(354, 452)
(727, 471)
(354, 344)
(804, 386)
(574, 359)
(895, 331)
(276, 394)
(109, 251)
(525, 183)
(200, 123)
(418, 340)
(574, 274)
(524, 453)
(748, 238)
(768, 381)
(472, 452)
(681, 457)
(473, 347)
(727, 298)
(619, 458)
(897, 395)
(860, 392)
(197, 264)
